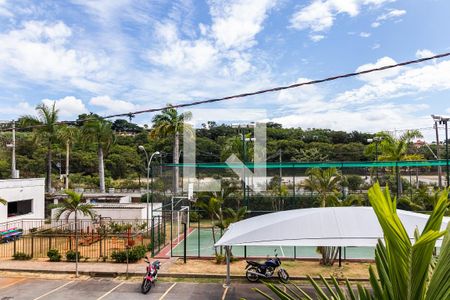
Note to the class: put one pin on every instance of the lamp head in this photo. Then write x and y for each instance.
(156, 153)
(141, 147)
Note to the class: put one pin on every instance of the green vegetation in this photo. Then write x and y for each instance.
(404, 269)
(54, 255)
(134, 254)
(73, 256)
(3, 201)
(21, 256)
(73, 204)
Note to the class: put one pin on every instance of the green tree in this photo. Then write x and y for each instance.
(3, 201)
(326, 183)
(68, 135)
(171, 123)
(73, 205)
(396, 149)
(213, 207)
(46, 131)
(99, 131)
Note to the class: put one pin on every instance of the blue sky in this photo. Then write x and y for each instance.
(123, 55)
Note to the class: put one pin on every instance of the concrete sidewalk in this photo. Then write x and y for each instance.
(87, 268)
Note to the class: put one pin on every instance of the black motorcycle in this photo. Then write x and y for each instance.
(256, 270)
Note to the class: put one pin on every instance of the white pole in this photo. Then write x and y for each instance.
(227, 254)
(13, 159)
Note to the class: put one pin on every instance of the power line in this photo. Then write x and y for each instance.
(259, 92)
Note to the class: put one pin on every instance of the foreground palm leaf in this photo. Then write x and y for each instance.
(405, 270)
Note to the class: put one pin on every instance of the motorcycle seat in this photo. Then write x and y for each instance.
(254, 263)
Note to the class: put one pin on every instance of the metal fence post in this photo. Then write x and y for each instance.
(32, 245)
(198, 236)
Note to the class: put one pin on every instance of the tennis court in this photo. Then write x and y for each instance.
(200, 244)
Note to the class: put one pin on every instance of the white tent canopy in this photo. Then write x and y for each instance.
(328, 226)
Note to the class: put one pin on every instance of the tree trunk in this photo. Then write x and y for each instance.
(176, 160)
(101, 169)
(76, 244)
(67, 164)
(49, 168)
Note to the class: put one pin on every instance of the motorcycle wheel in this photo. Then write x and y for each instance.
(283, 275)
(252, 277)
(146, 286)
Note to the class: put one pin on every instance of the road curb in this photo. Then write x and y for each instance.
(165, 275)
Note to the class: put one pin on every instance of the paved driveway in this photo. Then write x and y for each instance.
(101, 288)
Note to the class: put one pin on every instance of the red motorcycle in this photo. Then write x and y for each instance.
(150, 276)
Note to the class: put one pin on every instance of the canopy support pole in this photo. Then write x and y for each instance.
(227, 255)
(340, 256)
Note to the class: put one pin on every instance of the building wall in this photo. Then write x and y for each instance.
(13, 190)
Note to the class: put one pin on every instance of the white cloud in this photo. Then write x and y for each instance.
(4, 11)
(422, 53)
(364, 34)
(375, 46)
(377, 76)
(236, 22)
(319, 15)
(316, 37)
(196, 55)
(366, 118)
(40, 52)
(69, 107)
(15, 110)
(112, 106)
(389, 15)
(409, 81)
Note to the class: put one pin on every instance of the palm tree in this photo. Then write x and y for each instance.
(3, 201)
(99, 131)
(171, 123)
(325, 182)
(68, 135)
(214, 210)
(73, 205)
(47, 122)
(397, 149)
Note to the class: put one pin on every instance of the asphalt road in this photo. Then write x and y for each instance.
(104, 289)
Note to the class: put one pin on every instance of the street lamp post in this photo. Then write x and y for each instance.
(149, 161)
(241, 130)
(436, 120)
(376, 139)
(444, 121)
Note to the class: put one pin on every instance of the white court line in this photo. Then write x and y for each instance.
(54, 290)
(12, 283)
(225, 293)
(168, 290)
(112, 290)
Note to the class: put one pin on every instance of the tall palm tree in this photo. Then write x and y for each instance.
(99, 131)
(47, 121)
(73, 205)
(171, 123)
(397, 149)
(68, 135)
(325, 182)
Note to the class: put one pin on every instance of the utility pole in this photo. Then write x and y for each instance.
(436, 127)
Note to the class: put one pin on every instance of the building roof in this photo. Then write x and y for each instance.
(328, 226)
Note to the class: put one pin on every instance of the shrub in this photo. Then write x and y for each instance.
(71, 255)
(54, 255)
(21, 256)
(134, 254)
(220, 259)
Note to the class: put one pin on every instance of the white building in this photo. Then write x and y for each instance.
(25, 199)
